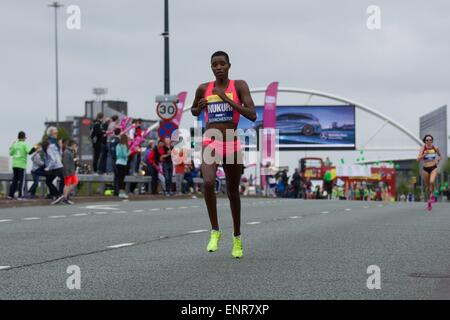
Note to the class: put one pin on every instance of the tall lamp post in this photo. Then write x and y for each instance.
(56, 6)
(165, 34)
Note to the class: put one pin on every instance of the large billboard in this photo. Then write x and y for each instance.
(309, 127)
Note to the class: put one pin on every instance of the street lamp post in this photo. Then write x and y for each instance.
(165, 34)
(56, 6)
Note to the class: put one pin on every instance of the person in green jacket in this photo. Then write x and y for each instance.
(18, 152)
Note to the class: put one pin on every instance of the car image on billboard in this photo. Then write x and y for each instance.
(310, 127)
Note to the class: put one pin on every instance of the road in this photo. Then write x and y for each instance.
(293, 249)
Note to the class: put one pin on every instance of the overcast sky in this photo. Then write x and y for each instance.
(401, 70)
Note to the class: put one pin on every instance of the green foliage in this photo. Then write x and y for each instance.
(447, 167)
(62, 134)
(402, 188)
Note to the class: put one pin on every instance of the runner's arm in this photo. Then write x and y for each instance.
(199, 101)
(420, 156)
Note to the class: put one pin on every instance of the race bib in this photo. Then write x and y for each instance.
(219, 110)
(430, 155)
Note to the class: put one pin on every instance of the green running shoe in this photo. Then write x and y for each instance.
(213, 244)
(237, 251)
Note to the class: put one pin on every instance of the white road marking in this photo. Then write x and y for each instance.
(197, 231)
(366, 207)
(4, 267)
(5, 220)
(348, 209)
(325, 212)
(138, 210)
(101, 212)
(155, 209)
(294, 217)
(169, 208)
(195, 206)
(120, 212)
(121, 245)
(79, 214)
(254, 222)
(31, 218)
(56, 217)
(103, 207)
(182, 207)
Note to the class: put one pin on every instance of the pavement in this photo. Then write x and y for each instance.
(293, 249)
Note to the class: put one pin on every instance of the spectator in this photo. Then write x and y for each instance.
(110, 134)
(317, 194)
(167, 165)
(189, 177)
(179, 158)
(135, 156)
(54, 164)
(250, 180)
(280, 187)
(69, 169)
(103, 161)
(308, 188)
(151, 159)
(296, 183)
(18, 152)
(115, 139)
(39, 159)
(97, 135)
(328, 183)
(122, 153)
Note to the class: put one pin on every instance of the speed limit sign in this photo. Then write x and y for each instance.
(166, 110)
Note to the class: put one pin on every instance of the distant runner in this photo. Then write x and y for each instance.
(431, 157)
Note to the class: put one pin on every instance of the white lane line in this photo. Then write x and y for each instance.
(121, 245)
(197, 231)
(348, 209)
(182, 207)
(101, 213)
(4, 267)
(325, 212)
(138, 210)
(294, 217)
(195, 206)
(120, 212)
(56, 217)
(31, 218)
(155, 209)
(79, 214)
(254, 222)
(5, 220)
(169, 208)
(366, 207)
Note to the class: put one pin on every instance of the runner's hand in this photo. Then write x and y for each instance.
(202, 103)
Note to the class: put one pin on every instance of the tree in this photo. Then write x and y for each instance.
(447, 167)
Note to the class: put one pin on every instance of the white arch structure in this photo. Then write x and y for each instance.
(358, 105)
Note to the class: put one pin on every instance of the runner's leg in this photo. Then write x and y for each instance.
(233, 177)
(209, 180)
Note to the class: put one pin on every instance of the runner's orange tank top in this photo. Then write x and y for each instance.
(219, 111)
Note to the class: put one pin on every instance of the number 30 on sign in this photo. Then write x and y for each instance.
(166, 110)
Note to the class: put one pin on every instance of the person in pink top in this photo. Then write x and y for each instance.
(223, 101)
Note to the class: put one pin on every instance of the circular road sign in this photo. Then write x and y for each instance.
(166, 128)
(166, 110)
